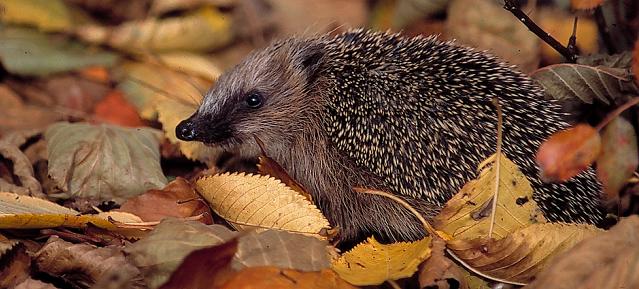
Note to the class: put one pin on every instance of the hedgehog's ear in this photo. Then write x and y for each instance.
(311, 60)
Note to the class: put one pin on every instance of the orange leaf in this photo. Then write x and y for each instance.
(272, 277)
(585, 4)
(96, 73)
(116, 110)
(635, 62)
(155, 205)
(618, 159)
(568, 152)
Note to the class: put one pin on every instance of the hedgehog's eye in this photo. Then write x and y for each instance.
(254, 100)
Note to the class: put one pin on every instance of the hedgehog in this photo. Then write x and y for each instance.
(409, 116)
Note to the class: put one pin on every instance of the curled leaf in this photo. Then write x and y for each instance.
(568, 152)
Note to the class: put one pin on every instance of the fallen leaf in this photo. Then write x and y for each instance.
(619, 157)
(98, 266)
(635, 62)
(519, 256)
(608, 260)
(467, 214)
(164, 249)
(204, 268)
(268, 166)
(261, 202)
(621, 60)
(47, 15)
(103, 162)
(96, 73)
(155, 205)
(273, 277)
(22, 116)
(585, 4)
(190, 64)
(34, 284)
(202, 30)
(24, 212)
(568, 152)
(588, 84)
(114, 109)
(372, 263)
(22, 170)
(15, 263)
(438, 271)
(31, 53)
(159, 7)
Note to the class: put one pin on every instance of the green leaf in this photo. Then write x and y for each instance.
(618, 158)
(31, 53)
(103, 162)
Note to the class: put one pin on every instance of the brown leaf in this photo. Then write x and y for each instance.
(519, 256)
(272, 277)
(114, 109)
(100, 266)
(15, 263)
(22, 169)
(618, 158)
(585, 4)
(568, 152)
(22, 116)
(609, 260)
(34, 284)
(635, 62)
(155, 205)
(204, 268)
(438, 270)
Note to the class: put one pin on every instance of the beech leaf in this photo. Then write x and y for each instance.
(262, 202)
(586, 83)
(619, 157)
(371, 263)
(568, 152)
(522, 254)
(103, 162)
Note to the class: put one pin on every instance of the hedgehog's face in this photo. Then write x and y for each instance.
(265, 96)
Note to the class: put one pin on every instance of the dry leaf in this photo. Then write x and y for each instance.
(262, 202)
(47, 15)
(99, 266)
(22, 169)
(268, 166)
(272, 277)
(114, 109)
(371, 263)
(34, 284)
(155, 205)
(162, 251)
(22, 116)
(15, 263)
(467, 214)
(519, 256)
(635, 62)
(619, 157)
(189, 64)
(24, 212)
(202, 30)
(608, 260)
(103, 162)
(438, 271)
(568, 152)
(585, 4)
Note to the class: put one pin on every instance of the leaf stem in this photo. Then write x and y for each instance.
(497, 166)
(617, 112)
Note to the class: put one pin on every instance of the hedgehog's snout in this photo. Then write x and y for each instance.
(185, 130)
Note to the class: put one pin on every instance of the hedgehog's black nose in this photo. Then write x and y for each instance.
(185, 130)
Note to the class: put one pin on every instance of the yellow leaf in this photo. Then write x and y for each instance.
(25, 212)
(467, 214)
(261, 201)
(203, 30)
(170, 113)
(47, 15)
(522, 254)
(371, 263)
(191, 64)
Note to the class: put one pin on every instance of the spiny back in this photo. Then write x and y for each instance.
(417, 113)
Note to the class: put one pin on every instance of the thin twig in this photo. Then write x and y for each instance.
(572, 41)
(617, 112)
(513, 7)
(497, 167)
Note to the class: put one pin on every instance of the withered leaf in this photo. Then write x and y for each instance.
(15, 263)
(522, 254)
(261, 202)
(586, 83)
(371, 263)
(619, 157)
(22, 169)
(103, 162)
(608, 260)
(467, 214)
(568, 152)
(273, 277)
(438, 269)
